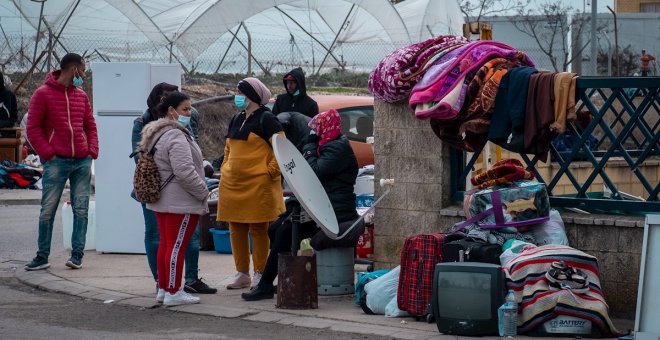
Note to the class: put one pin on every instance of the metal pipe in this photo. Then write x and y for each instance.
(36, 39)
(249, 50)
(311, 36)
(383, 182)
(263, 69)
(609, 54)
(594, 48)
(213, 99)
(228, 47)
(335, 40)
(29, 72)
(616, 41)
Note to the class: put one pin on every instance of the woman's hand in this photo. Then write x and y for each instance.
(313, 137)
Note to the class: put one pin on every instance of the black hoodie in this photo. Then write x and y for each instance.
(9, 114)
(301, 103)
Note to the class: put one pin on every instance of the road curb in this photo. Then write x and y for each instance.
(45, 280)
(32, 201)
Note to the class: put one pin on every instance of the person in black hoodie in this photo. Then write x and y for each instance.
(296, 98)
(296, 128)
(331, 157)
(8, 107)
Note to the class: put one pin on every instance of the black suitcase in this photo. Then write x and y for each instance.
(466, 250)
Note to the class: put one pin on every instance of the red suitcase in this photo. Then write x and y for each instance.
(419, 256)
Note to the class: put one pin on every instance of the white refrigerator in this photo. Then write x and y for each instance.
(120, 92)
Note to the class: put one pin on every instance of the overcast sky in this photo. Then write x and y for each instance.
(586, 4)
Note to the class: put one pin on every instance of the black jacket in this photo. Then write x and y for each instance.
(301, 103)
(337, 169)
(9, 117)
(509, 113)
(295, 127)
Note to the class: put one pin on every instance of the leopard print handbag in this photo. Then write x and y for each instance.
(146, 180)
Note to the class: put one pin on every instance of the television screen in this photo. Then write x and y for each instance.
(466, 296)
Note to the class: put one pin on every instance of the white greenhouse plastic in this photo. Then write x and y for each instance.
(198, 33)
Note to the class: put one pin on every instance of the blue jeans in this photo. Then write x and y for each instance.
(56, 173)
(151, 240)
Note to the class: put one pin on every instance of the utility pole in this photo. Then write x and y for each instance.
(616, 42)
(594, 39)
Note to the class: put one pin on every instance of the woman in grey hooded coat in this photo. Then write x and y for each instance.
(183, 195)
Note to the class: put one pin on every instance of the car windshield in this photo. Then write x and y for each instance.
(357, 123)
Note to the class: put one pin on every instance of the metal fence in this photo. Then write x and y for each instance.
(624, 124)
(223, 56)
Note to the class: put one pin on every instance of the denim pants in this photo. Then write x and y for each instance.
(56, 173)
(152, 239)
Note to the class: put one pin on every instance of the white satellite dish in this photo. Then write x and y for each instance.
(305, 185)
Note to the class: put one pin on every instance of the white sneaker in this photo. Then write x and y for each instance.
(255, 279)
(241, 280)
(179, 298)
(160, 296)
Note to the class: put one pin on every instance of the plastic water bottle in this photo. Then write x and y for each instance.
(508, 316)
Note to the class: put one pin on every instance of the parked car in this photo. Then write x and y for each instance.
(357, 115)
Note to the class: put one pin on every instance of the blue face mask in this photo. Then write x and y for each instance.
(77, 81)
(297, 93)
(240, 102)
(185, 120)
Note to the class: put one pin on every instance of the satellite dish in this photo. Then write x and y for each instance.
(305, 185)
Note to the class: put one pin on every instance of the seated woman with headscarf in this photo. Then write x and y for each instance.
(330, 155)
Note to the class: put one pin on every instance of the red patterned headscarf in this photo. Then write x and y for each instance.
(327, 125)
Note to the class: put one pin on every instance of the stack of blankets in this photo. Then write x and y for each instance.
(472, 92)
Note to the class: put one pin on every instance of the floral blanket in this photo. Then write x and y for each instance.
(396, 74)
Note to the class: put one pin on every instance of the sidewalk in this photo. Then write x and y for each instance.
(125, 279)
(20, 197)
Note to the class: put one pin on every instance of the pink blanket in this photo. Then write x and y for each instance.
(441, 91)
(396, 74)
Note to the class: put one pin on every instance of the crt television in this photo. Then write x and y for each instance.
(466, 296)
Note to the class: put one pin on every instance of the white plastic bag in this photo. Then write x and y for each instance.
(551, 231)
(382, 290)
(392, 309)
(512, 248)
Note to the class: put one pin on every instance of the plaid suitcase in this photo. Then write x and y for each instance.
(419, 256)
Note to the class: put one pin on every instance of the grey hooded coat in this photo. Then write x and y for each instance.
(178, 154)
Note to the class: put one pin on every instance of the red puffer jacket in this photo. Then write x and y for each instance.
(60, 121)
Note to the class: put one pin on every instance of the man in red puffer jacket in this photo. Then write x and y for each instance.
(62, 130)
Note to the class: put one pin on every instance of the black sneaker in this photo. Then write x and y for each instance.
(38, 263)
(259, 293)
(75, 261)
(199, 287)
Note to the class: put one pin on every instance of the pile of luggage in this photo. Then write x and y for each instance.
(509, 223)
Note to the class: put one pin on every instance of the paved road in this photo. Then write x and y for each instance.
(26, 313)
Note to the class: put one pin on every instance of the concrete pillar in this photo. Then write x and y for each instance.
(407, 150)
